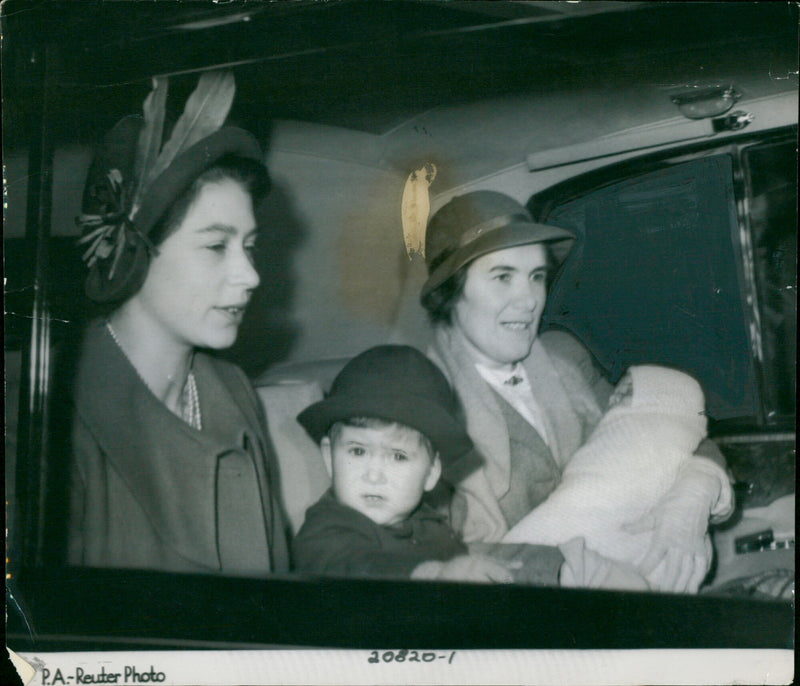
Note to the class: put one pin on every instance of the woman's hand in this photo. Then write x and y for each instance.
(474, 568)
(585, 568)
(678, 559)
(680, 553)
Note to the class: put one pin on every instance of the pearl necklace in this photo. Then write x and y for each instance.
(189, 401)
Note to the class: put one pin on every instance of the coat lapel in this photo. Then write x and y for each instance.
(168, 467)
(484, 417)
(551, 397)
(572, 405)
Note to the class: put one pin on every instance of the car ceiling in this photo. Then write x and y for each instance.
(375, 67)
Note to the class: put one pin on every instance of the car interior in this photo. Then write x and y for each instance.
(664, 135)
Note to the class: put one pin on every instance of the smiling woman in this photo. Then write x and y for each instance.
(170, 467)
(528, 408)
(502, 303)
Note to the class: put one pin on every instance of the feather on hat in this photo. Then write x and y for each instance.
(134, 179)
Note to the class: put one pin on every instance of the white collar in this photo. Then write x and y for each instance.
(509, 376)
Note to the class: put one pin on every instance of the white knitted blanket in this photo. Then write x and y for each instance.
(629, 462)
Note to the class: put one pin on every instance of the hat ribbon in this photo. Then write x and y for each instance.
(490, 225)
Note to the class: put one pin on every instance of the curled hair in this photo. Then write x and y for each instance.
(251, 175)
(441, 301)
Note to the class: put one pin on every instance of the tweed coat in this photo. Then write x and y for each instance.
(571, 395)
(569, 392)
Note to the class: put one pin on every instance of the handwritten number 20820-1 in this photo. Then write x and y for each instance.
(377, 656)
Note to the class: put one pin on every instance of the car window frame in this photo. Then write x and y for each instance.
(65, 608)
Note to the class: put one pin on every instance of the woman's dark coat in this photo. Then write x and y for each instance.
(144, 483)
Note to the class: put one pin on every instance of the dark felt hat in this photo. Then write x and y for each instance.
(118, 153)
(396, 383)
(479, 223)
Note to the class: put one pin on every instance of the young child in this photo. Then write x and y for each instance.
(654, 423)
(387, 431)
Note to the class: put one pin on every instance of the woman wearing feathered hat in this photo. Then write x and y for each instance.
(171, 467)
(531, 400)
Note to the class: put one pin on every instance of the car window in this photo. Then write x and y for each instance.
(654, 278)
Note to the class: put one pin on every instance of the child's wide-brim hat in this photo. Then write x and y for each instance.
(396, 383)
(479, 223)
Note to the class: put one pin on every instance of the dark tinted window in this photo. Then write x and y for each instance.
(655, 278)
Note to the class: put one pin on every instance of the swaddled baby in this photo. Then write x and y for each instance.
(654, 423)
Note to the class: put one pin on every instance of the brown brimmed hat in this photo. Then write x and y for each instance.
(128, 191)
(396, 383)
(479, 223)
